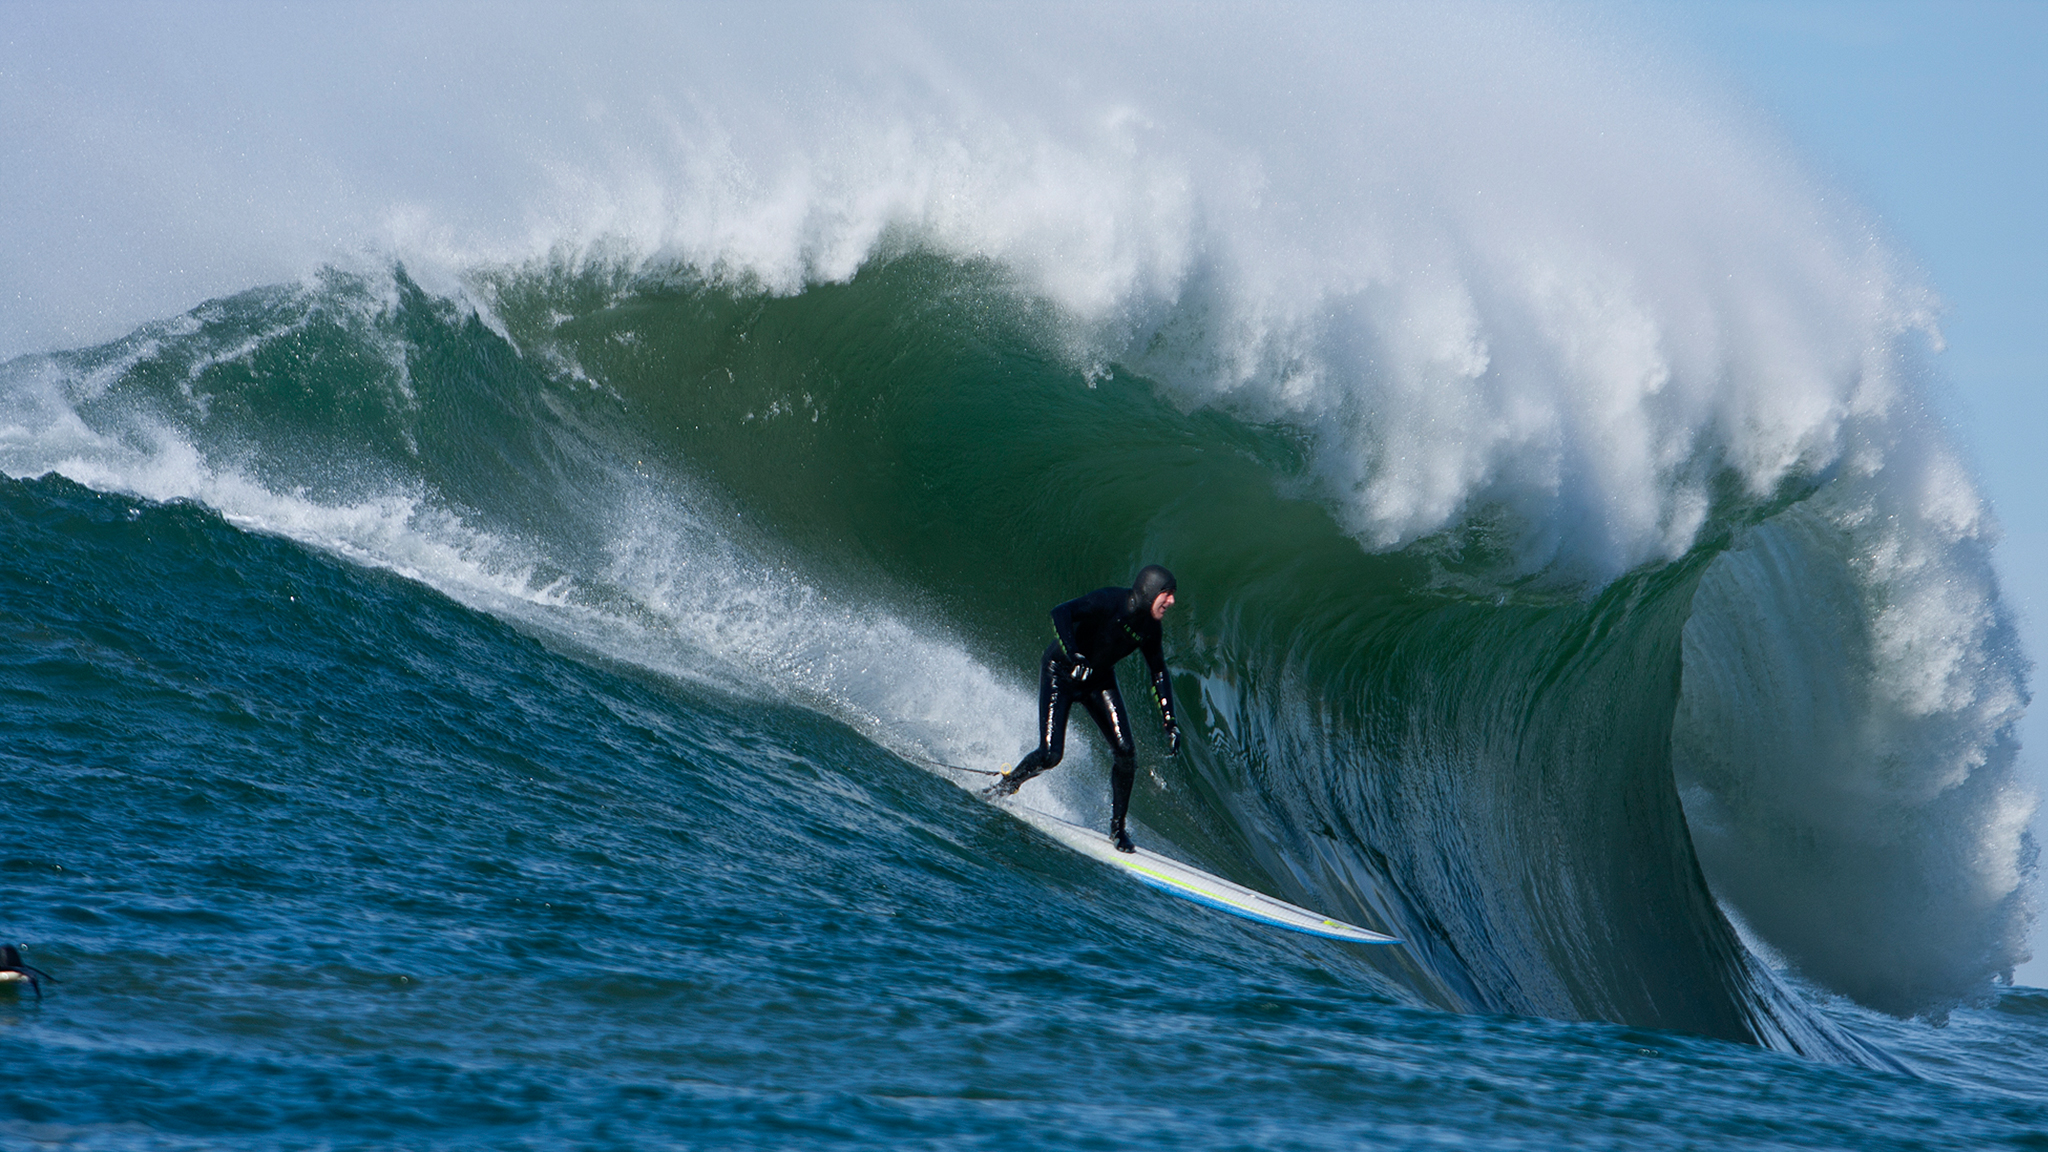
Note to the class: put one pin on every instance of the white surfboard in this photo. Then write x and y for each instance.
(1172, 876)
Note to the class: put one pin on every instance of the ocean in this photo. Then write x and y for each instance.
(491, 686)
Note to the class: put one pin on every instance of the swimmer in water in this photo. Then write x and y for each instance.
(12, 969)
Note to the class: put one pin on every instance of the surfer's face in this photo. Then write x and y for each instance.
(1160, 604)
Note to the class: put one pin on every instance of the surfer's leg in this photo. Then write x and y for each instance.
(1053, 703)
(1123, 772)
(1107, 706)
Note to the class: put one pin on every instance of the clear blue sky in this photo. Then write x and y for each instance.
(1935, 117)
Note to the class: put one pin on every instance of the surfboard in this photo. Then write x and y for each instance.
(1189, 883)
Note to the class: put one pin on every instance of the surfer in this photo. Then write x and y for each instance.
(1095, 631)
(11, 968)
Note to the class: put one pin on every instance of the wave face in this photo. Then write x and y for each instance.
(1570, 563)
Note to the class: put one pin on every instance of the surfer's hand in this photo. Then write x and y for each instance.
(1077, 672)
(1172, 738)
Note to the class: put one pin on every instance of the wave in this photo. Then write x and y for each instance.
(1576, 582)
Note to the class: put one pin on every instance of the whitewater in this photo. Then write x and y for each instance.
(504, 515)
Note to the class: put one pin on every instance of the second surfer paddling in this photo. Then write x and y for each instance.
(1095, 631)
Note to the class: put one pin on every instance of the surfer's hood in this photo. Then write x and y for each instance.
(1152, 580)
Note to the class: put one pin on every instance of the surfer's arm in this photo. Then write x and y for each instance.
(1063, 626)
(1162, 694)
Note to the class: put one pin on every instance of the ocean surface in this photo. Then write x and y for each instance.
(492, 687)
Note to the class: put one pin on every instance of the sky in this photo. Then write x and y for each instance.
(1934, 116)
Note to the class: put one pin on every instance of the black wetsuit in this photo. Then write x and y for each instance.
(1095, 631)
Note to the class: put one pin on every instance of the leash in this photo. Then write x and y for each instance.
(926, 760)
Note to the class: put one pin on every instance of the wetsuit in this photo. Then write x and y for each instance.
(1095, 631)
